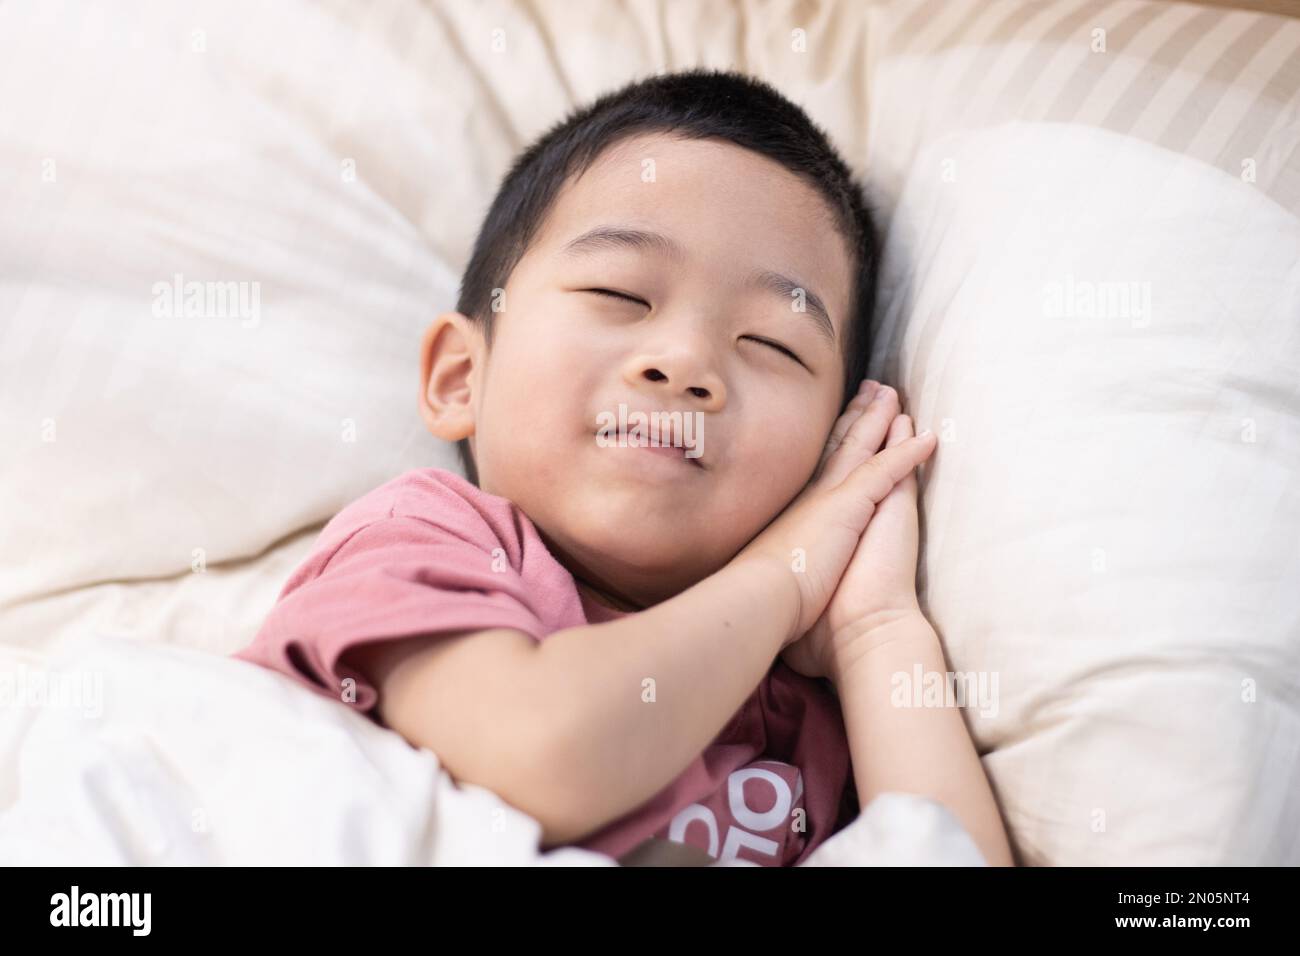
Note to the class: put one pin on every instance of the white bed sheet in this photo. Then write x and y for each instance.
(149, 754)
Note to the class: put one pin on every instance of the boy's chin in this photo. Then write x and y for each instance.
(637, 545)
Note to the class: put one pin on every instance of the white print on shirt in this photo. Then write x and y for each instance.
(745, 825)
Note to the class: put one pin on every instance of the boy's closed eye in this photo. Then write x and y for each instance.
(618, 295)
(613, 293)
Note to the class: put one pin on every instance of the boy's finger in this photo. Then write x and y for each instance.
(877, 476)
(899, 429)
(896, 512)
(864, 435)
(850, 415)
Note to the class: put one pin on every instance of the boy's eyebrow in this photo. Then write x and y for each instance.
(616, 237)
(786, 288)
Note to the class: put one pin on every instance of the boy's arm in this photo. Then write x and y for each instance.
(570, 730)
(921, 750)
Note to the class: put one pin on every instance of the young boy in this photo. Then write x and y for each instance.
(638, 643)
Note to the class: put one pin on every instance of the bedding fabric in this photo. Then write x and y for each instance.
(1104, 336)
(135, 753)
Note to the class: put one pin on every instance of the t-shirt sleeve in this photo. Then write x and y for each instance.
(395, 577)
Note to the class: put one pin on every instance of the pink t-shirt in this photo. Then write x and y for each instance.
(429, 552)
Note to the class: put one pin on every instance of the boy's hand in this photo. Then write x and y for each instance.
(879, 584)
(815, 537)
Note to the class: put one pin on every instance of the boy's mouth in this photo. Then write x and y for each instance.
(665, 447)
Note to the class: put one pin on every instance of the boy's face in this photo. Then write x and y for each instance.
(636, 523)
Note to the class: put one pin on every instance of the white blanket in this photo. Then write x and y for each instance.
(134, 753)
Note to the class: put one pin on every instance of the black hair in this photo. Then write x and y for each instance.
(695, 104)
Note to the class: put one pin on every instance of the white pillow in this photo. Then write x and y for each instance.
(141, 440)
(1112, 519)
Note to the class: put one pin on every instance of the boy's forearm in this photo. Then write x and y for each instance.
(924, 750)
(644, 695)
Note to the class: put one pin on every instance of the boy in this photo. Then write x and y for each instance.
(636, 643)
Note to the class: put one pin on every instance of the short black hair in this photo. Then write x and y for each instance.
(695, 104)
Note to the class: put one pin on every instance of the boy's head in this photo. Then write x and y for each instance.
(691, 243)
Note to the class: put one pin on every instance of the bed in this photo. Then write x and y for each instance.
(1111, 527)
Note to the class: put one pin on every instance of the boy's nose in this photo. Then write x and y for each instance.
(677, 377)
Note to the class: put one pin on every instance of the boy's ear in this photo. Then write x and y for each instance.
(451, 354)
